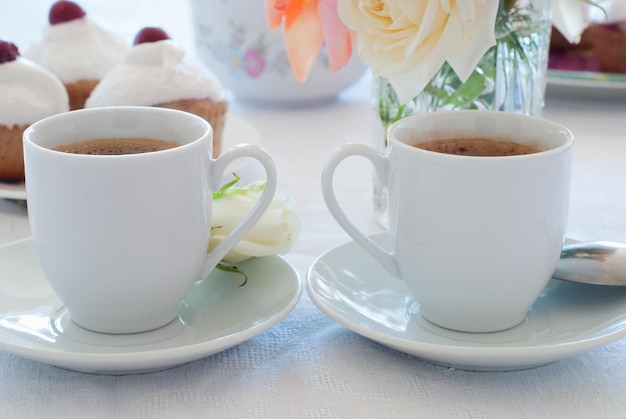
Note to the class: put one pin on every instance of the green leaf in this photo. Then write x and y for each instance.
(233, 269)
(473, 87)
(222, 191)
(230, 189)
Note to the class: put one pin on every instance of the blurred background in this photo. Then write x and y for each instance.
(119, 16)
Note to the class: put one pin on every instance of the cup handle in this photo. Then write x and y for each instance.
(217, 172)
(381, 166)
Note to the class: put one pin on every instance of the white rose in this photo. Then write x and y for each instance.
(407, 41)
(570, 17)
(275, 233)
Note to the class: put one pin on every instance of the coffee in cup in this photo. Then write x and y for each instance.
(484, 147)
(117, 146)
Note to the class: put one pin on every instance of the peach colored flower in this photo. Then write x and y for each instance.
(307, 25)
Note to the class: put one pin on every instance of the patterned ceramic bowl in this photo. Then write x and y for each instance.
(233, 39)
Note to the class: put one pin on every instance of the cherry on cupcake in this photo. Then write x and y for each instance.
(65, 11)
(8, 52)
(150, 34)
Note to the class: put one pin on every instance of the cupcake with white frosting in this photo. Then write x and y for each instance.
(156, 71)
(29, 93)
(77, 50)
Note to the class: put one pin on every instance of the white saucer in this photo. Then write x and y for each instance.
(216, 315)
(236, 131)
(567, 319)
(586, 85)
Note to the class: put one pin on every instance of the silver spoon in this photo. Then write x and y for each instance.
(599, 263)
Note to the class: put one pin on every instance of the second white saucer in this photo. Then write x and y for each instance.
(567, 319)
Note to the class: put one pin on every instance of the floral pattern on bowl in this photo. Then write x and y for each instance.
(246, 55)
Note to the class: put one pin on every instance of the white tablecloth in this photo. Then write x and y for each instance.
(308, 365)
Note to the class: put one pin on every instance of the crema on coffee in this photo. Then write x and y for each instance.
(117, 146)
(477, 147)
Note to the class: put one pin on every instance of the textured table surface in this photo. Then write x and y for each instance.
(308, 365)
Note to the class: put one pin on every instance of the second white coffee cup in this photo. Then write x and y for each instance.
(475, 239)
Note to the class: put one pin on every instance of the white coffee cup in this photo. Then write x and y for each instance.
(123, 238)
(475, 239)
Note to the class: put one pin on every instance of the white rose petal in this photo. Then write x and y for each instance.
(570, 17)
(608, 11)
(275, 233)
(407, 41)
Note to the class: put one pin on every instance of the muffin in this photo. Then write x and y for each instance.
(77, 50)
(602, 48)
(29, 93)
(157, 72)
(609, 46)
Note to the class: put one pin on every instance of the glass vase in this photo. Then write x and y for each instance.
(510, 77)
